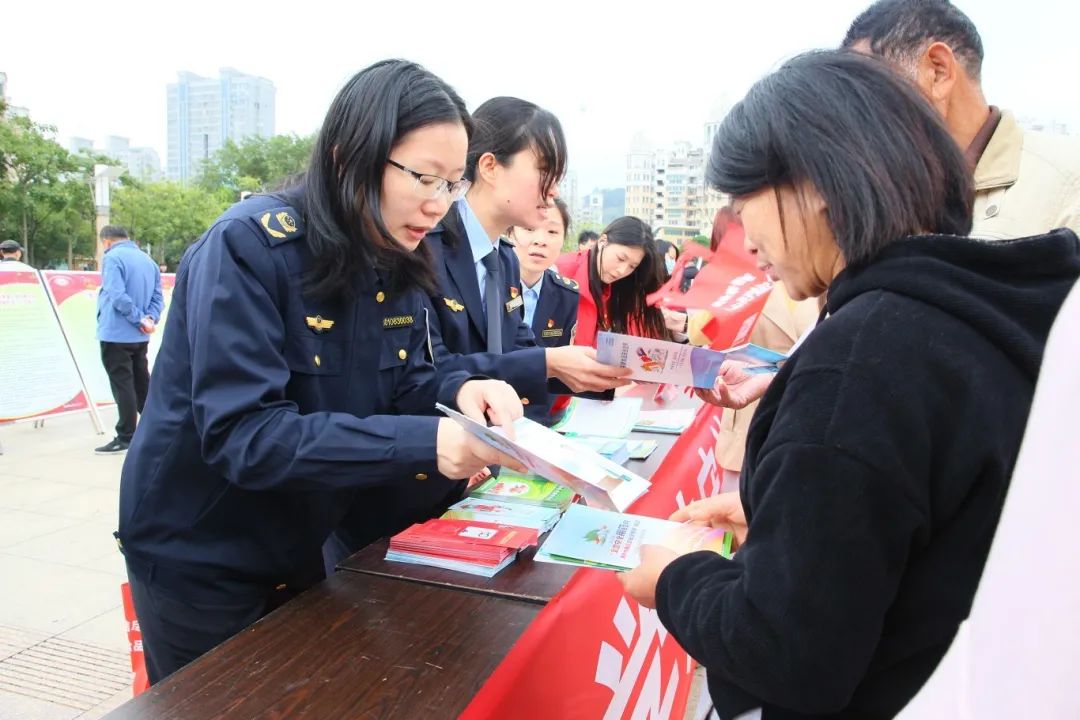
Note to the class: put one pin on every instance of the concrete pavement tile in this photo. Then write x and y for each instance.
(108, 706)
(17, 526)
(50, 597)
(108, 630)
(88, 503)
(19, 707)
(113, 563)
(24, 494)
(74, 545)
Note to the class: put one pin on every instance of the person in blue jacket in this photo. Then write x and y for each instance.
(551, 300)
(293, 369)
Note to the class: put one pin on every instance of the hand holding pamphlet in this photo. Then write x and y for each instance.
(548, 454)
(599, 538)
(660, 361)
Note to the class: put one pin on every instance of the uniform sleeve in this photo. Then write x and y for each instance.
(114, 287)
(249, 430)
(525, 369)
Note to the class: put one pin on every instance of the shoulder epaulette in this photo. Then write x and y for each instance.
(564, 281)
(280, 224)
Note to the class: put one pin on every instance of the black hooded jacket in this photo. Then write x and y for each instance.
(875, 472)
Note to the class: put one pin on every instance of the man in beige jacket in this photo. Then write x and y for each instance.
(1026, 183)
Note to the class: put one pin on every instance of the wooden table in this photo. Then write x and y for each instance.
(354, 646)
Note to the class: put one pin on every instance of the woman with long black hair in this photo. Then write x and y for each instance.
(879, 458)
(614, 278)
(292, 370)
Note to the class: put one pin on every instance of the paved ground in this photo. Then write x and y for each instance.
(63, 642)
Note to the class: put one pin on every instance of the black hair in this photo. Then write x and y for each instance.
(662, 247)
(900, 30)
(504, 126)
(586, 236)
(861, 136)
(342, 188)
(113, 232)
(627, 311)
(564, 213)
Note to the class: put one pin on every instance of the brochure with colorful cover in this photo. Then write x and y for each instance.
(463, 537)
(548, 454)
(537, 517)
(599, 538)
(512, 487)
(660, 361)
(599, 418)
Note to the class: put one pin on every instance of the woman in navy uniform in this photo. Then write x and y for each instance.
(295, 353)
(517, 154)
(550, 300)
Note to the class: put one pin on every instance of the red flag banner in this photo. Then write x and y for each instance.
(729, 285)
(593, 652)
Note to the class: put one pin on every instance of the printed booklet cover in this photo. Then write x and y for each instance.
(512, 487)
(536, 517)
(599, 418)
(599, 538)
(660, 361)
(548, 454)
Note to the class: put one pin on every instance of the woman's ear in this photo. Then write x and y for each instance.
(487, 167)
(602, 240)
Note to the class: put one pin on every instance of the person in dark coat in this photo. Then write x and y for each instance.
(879, 459)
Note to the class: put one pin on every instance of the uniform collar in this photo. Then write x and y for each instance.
(999, 165)
(479, 242)
(537, 287)
(120, 244)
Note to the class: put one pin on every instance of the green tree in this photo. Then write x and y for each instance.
(45, 197)
(256, 164)
(166, 217)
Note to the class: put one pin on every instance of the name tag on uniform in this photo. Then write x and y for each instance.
(515, 304)
(397, 321)
(551, 332)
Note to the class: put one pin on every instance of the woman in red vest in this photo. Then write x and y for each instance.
(614, 277)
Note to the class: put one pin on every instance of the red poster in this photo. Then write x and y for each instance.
(593, 652)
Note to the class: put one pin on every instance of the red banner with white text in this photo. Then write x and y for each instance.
(593, 652)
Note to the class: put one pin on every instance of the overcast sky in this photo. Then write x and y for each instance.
(607, 70)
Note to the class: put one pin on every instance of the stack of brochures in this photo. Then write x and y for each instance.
(548, 454)
(590, 537)
(660, 361)
(469, 546)
(670, 421)
(619, 451)
(599, 418)
(536, 517)
(517, 488)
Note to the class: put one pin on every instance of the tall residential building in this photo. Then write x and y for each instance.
(592, 210)
(640, 174)
(666, 188)
(205, 112)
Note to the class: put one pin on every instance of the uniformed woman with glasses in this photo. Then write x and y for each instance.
(295, 370)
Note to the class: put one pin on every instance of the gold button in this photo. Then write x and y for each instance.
(402, 354)
(281, 587)
(318, 362)
(421, 476)
(380, 296)
(524, 401)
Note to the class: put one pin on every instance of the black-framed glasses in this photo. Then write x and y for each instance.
(430, 187)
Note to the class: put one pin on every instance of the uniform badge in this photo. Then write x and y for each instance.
(513, 292)
(551, 330)
(278, 225)
(453, 304)
(551, 322)
(515, 304)
(319, 324)
(397, 321)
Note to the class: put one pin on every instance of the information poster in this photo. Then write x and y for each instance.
(40, 377)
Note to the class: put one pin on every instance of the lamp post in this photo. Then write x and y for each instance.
(104, 176)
